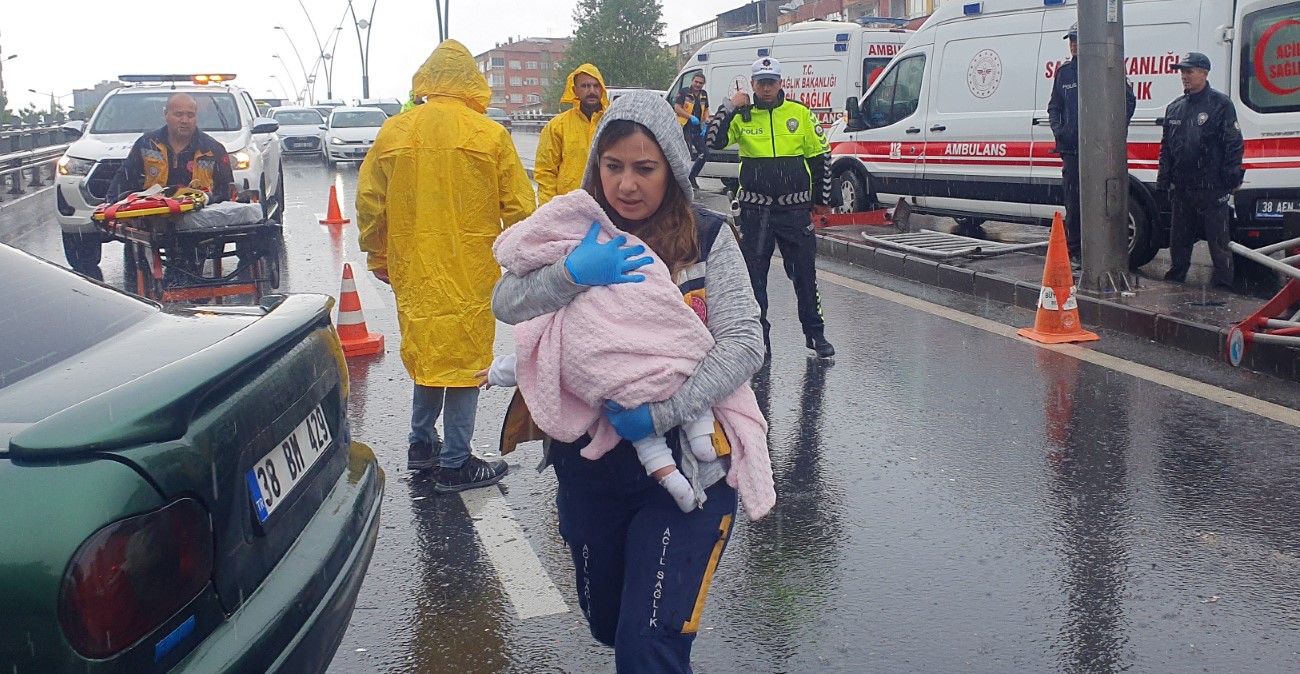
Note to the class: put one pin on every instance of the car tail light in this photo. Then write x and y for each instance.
(132, 575)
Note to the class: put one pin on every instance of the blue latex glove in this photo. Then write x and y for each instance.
(695, 120)
(602, 264)
(633, 424)
(704, 131)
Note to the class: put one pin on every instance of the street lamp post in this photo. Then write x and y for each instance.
(2, 76)
(325, 57)
(366, 25)
(292, 83)
(306, 78)
(282, 89)
(53, 98)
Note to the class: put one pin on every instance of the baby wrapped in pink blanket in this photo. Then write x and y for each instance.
(631, 343)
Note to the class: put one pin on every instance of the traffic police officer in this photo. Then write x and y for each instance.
(785, 173)
(1200, 163)
(1063, 112)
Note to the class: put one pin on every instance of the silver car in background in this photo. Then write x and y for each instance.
(301, 130)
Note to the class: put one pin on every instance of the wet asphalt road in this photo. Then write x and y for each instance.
(950, 500)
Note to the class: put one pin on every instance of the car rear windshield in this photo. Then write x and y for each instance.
(298, 118)
(497, 113)
(1270, 59)
(48, 315)
(352, 120)
(143, 111)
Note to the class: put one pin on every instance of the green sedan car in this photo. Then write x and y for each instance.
(179, 488)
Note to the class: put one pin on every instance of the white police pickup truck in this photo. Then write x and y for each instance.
(225, 112)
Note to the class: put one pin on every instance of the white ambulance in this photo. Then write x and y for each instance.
(957, 125)
(823, 63)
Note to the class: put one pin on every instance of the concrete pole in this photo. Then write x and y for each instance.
(1103, 146)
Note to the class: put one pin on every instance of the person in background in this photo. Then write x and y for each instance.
(432, 195)
(692, 108)
(1063, 113)
(1200, 165)
(785, 177)
(566, 139)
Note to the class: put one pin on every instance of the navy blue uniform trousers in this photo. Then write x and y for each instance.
(643, 567)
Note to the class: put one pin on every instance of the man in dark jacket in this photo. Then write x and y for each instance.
(1063, 112)
(1200, 164)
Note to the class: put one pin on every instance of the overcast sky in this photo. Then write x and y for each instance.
(75, 44)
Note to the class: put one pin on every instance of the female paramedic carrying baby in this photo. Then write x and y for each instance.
(643, 565)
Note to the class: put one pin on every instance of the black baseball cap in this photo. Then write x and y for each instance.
(1073, 34)
(1193, 59)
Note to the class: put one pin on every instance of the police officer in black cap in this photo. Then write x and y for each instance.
(1063, 113)
(1200, 163)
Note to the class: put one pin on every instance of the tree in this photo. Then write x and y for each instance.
(623, 39)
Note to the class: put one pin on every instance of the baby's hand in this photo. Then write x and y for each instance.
(482, 376)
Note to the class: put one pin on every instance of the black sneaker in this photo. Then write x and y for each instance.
(1176, 278)
(819, 344)
(421, 456)
(472, 474)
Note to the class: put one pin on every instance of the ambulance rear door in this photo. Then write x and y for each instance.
(981, 110)
(1266, 91)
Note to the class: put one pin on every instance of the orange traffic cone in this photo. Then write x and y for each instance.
(1057, 321)
(357, 339)
(334, 216)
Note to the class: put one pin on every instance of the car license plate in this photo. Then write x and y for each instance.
(302, 145)
(271, 479)
(1274, 208)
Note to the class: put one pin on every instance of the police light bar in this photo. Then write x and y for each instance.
(213, 78)
(195, 78)
(868, 20)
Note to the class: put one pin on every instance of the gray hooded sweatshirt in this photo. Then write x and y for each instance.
(733, 312)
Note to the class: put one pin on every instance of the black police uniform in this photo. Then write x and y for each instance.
(1200, 162)
(1063, 112)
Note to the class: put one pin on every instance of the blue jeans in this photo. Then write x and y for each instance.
(643, 567)
(460, 406)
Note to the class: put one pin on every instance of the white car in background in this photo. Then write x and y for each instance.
(300, 130)
(390, 106)
(350, 132)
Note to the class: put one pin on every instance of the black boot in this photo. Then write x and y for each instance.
(819, 344)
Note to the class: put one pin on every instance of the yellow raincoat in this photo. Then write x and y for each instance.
(566, 140)
(432, 195)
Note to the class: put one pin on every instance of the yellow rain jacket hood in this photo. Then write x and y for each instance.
(566, 140)
(435, 190)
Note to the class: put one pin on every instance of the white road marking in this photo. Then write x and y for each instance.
(1209, 392)
(526, 583)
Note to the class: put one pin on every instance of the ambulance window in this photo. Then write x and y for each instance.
(872, 69)
(1270, 59)
(898, 94)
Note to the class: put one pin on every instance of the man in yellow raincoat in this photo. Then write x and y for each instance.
(434, 192)
(566, 139)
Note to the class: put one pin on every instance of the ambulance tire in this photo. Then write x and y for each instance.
(852, 188)
(1141, 248)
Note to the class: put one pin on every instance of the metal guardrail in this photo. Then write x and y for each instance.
(32, 163)
(31, 138)
(530, 122)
